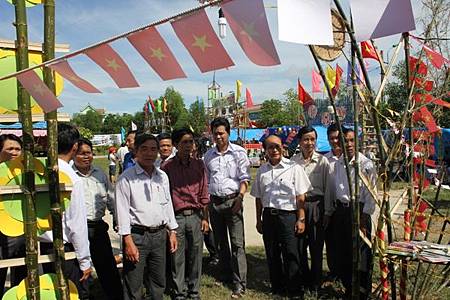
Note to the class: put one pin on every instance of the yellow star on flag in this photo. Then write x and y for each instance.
(201, 42)
(157, 53)
(39, 88)
(249, 31)
(112, 64)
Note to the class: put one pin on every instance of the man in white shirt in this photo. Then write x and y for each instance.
(145, 219)
(74, 219)
(343, 215)
(279, 188)
(166, 149)
(123, 150)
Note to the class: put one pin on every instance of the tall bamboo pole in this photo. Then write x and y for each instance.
(380, 140)
(52, 156)
(355, 204)
(23, 99)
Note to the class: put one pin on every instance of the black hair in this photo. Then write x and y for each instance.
(83, 141)
(178, 134)
(264, 142)
(332, 128)
(9, 136)
(68, 136)
(347, 130)
(142, 138)
(131, 132)
(164, 136)
(304, 130)
(220, 121)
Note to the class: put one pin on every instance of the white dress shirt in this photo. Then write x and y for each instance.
(143, 199)
(367, 169)
(74, 219)
(98, 193)
(121, 153)
(226, 170)
(277, 186)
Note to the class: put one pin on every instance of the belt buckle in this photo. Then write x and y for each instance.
(274, 212)
(187, 212)
(345, 204)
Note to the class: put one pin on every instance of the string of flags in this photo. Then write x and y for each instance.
(248, 22)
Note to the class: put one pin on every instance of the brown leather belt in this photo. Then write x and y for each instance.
(220, 199)
(276, 212)
(187, 212)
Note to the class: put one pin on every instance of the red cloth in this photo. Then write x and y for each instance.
(188, 183)
(368, 50)
(65, 70)
(247, 19)
(316, 81)
(337, 82)
(422, 69)
(434, 57)
(156, 53)
(198, 36)
(39, 91)
(248, 98)
(111, 62)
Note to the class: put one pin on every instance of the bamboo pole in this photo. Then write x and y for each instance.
(24, 105)
(380, 140)
(355, 203)
(52, 154)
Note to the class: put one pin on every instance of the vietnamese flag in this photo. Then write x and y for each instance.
(424, 115)
(65, 70)
(39, 91)
(248, 98)
(435, 58)
(247, 19)
(421, 69)
(426, 85)
(110, 61)
(368, 50)
(198, 36)
(156, 53)
(303, 97)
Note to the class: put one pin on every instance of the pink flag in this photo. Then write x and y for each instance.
(248, 98)
(65, 70)
(316, 81)
(155, 51)
(113, 64)
(248, 22)
(39, 91)
(199, 38)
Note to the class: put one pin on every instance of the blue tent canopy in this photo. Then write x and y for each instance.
(18, 125)
(247, 134)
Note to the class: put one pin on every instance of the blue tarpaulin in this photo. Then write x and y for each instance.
(18, 125)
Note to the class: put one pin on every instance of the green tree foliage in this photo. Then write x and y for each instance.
(276, 112)
(177, 111)
(197, 117)
(91, 120)
(292, 109)
(272, 113)
(86, 132)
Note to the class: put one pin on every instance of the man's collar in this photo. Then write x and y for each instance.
(314, 157)
(284, 163)
(140, 170)
(89, 173)
(229, 148)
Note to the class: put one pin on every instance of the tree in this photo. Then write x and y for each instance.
(112, 123)
(85, 132)
(91, 120)
(177, 111)
(293, 110)
(272, 113)
(197, 117)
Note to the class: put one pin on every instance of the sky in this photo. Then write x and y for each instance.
(81, 23)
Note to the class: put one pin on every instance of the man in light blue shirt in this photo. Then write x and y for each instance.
(228, 176)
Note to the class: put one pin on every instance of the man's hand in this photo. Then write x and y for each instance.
(131, 251)
(205, 226)
(86, 274)
(173, 243)
(326, 221)
(237, 204)
(259, 227)
(299, 227)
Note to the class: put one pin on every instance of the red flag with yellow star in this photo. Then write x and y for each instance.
(424, 115)
(156, 53)
(434, 57)
(65, 70)
(247, 19)
(368, 50)
(110, 61)
(39, 91)
(421, 69)
(198, 36)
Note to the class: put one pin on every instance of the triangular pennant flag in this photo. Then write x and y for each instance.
(133, 126)
(238, 89)
(303, 97)
(316, 81)
(424, 115)
(434, 57)
(152, 104)
(159, 106)
(248, 98)
(375, 19)
(65, 70)
(156, 53)
(426, 85)
(248, 22)
(39, 91)
(198, 36)
(165, 106)
(330, 76)
(149, 107)
(337, 81)
(368, 50)
(108, 59)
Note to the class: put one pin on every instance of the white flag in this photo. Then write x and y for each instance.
(378, 18)
(133, 126)
(305, 22)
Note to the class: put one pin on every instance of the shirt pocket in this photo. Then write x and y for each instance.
(287, 188)
(101, 194)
